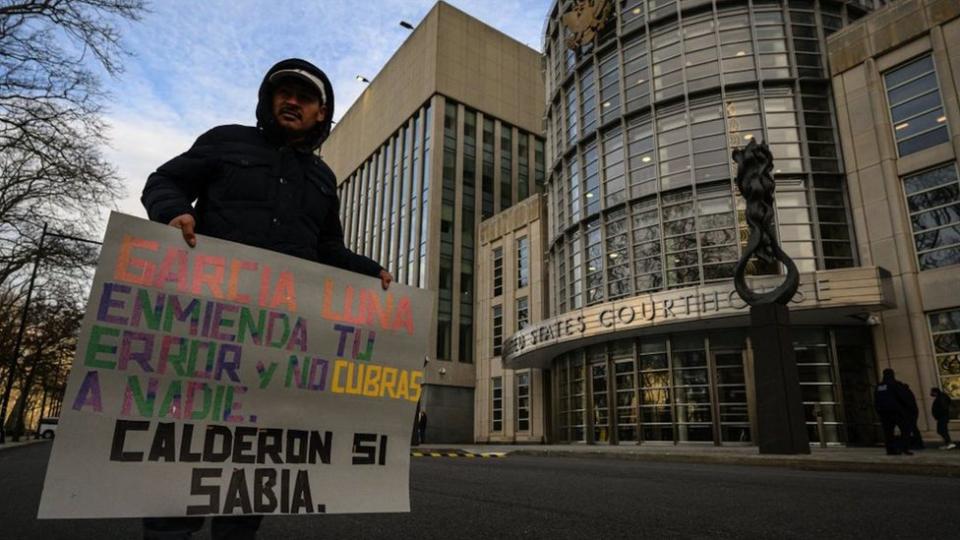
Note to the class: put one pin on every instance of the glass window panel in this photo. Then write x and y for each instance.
(697, 394)
(787, 198)
(702, 42)
(709, 69)
(767, 32)
(837, 249)
(775, 46)
(734, 21)
(720, 254)
(730, 376)
(911, 70)
(784, 152)
(936, 218)
(835, 232)
(701, 128)
(735, 35)
(789, 166)
(781, 119)
(719, 238)
(919, 124)
(768, 17)
(926, 140)
(945, 321)
(497, 403)
(735, 50)
(775, 135)
(523, 262)
(673, 151)
(793, 215)
(915, 106)
(914, 98)
(799, 249)
(929, 179)
(692, 29)
(795, 232)
(778, 104)
(739, 63)
(710, 158)
(709, 142)
(497, 271)
(944, 236)
(497, 329)
(933, 199)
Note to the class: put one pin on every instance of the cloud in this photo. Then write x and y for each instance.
(195, 65)
(138, 148)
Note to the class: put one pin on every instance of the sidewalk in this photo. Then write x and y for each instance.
(23, 442)
(930, 462)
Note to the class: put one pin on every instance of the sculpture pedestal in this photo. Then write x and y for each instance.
(781, 427)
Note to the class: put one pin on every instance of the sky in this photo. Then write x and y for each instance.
(195, 64)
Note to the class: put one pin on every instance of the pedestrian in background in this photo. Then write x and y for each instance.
(941, 413)
(422, 427)
(914, 439)
(891, 402)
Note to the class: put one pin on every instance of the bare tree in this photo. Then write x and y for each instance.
(52, 169)
(48, 348)
(51, 128)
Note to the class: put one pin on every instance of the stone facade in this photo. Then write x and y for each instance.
(447, 134)
(503, 234)
(861, 58)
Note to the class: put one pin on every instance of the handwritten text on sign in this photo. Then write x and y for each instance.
(231, 380)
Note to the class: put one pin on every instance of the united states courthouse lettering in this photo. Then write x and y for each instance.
(854, 290)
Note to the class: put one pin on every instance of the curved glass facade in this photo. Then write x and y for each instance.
(640, 127)
(641, 123)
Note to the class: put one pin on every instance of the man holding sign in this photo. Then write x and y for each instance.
(263, 187)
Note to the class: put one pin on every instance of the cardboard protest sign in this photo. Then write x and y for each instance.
(227, 379)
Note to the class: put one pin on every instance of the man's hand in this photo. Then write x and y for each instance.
(186, 224)
(385, 279)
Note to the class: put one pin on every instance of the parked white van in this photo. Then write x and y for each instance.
(48, 427)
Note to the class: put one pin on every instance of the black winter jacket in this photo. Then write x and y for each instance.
(941, 406)
(891, 397)
(251, 188)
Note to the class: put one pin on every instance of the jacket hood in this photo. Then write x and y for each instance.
(265, 119)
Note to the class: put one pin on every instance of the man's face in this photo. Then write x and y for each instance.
(296, 106)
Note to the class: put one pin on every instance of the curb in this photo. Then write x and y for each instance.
(12, 445)
(920, 469)
(456, 453)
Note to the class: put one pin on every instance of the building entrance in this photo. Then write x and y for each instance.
(733, 417)
(697, 388)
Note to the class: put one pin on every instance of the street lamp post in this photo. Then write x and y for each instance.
(15, 357)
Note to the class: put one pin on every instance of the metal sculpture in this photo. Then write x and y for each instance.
(781, 427)
(756, 185)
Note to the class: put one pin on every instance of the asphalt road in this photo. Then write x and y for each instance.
(536, 497)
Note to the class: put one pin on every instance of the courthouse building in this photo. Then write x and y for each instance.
(576, 213)
(640, 226)
(446, 135)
